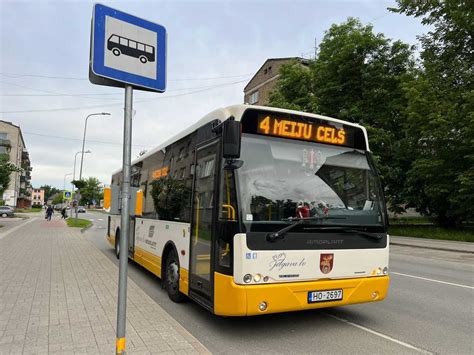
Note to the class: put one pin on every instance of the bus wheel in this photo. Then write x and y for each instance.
(172, 277)
(143, 59)
(117, 243)
(116, 52)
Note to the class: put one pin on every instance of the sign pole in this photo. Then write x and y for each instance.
(124, 222)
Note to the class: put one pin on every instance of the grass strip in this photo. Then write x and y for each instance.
(465, 234)
(28, 210)
(78, 222)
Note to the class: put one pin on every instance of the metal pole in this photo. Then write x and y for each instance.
(82, 159)
(125, 222)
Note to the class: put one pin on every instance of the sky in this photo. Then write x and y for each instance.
(214, 48)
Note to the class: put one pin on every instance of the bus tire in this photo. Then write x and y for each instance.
(172, 277)
(116, 52)
(117, 243)
(143, 59)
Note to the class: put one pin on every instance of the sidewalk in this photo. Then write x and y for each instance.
(58, 294)
(435, 244)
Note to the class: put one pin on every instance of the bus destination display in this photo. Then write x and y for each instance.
(300, 130)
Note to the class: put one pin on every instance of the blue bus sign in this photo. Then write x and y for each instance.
(127, 50)
(67, 195)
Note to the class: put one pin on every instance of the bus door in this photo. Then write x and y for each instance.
(203, 222)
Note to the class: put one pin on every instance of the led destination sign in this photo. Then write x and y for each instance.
(302, 127)
(300, 130)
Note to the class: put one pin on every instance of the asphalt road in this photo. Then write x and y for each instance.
(430, 309)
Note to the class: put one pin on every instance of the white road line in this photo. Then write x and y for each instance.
(3, 235)
(100, 219)
(432, 280)
(396, 341)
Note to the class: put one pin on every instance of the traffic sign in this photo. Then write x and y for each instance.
(127, 50)
(67, 195)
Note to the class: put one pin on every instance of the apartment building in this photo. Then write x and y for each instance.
(13, 147)
(257, 91)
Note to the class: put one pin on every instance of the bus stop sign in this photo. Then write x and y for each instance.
(127, 50)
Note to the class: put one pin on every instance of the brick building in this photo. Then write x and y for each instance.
(257, 91)
(13, 147)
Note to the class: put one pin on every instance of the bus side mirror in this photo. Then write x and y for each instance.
(231, 139)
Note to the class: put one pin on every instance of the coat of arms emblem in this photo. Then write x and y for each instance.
(326, 261)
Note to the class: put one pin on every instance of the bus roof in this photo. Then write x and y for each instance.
(237, 112)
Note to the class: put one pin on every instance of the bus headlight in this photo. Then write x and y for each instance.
(262, 306)
(257, 277)
(247, 278)
(385, 270)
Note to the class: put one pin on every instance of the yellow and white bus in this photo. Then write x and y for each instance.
(256, 210)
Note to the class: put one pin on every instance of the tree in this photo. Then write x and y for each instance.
(91, 191)
(57, 198)
(6, 168)
(358, 76)
(440, 111)
(49, 191)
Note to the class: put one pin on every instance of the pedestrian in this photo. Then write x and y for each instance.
(49, 213)
(63, 213)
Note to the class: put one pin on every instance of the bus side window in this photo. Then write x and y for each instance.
(227, 218)
(114, 39)
(228, 199)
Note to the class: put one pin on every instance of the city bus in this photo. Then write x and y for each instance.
(256, 210)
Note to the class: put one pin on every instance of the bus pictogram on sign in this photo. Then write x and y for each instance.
(121, 45)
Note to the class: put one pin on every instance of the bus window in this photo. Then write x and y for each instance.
(132, 44)
(123, 41)
(114, 39)
(140, 46)
(149, 49)
(227, 218)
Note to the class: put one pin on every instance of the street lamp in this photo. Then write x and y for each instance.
(84, 138)
(74, 174)
(83, 143)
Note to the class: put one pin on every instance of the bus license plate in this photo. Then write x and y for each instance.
(324, 296)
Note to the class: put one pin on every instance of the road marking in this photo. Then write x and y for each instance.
(432, 280)
(396, 341)
(100, 219)
(91, 219)
(3, 235)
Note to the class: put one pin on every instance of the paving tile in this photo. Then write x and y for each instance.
(58, 295)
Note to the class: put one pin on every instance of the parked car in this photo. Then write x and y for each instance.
(81, 209)
(6, 211)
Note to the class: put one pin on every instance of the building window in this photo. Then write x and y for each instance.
(254, 97)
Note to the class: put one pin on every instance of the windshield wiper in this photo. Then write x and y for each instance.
(271, 237)
(355, 231)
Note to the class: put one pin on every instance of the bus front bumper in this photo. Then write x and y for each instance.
(231, 299)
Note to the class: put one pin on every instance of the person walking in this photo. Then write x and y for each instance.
(63, 213)
(49, 212)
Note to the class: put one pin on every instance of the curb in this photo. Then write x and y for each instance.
(432, 248)
(86, 228)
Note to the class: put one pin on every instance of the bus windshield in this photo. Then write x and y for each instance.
(284, 179)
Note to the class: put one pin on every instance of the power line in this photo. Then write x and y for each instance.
(77, 139)
(120, 104)
(15, 76)
(83, 95)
